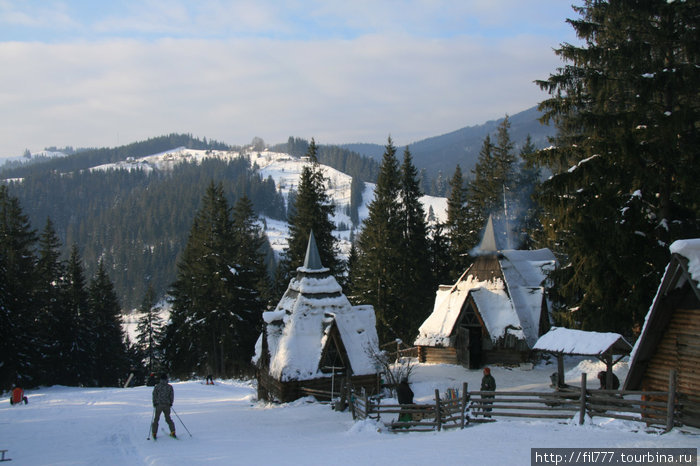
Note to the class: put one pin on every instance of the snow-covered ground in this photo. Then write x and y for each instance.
(109, 426)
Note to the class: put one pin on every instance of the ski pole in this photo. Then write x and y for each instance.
(150, 426)
(183, 424)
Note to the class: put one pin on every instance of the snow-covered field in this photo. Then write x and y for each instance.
(109, 426)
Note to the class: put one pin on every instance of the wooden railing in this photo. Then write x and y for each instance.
(660, 408)
(443, 413)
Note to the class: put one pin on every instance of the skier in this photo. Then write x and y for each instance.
(405, 396)
(163, 397)
(488, 384)
(152, 380)
(18, 396)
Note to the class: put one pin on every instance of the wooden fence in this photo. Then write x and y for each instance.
(443, 413)
(659, 408)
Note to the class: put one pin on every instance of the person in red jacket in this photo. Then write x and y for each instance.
(18, 396)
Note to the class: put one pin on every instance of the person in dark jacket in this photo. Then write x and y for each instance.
(405, 396)
(602, 378)
(488, 384)
(163, 397)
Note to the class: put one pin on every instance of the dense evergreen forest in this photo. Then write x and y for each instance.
(623, 186)
(136, 222)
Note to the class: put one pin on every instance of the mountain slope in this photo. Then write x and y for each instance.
(135, 213)
(443, 153)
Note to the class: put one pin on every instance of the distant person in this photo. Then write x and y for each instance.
(210, 379)
(405, 396)
(488, 384)
(152, 380)
(602, 378)
(18, 396)
(163, 397)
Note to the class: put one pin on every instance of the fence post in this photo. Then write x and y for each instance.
(582, 407)
(465, 400)
(437, 410)
(671, 405)
(367, 405)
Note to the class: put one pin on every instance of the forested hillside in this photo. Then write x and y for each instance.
(137, 221)
(437, 156)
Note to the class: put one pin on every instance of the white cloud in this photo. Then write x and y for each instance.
(337, 89)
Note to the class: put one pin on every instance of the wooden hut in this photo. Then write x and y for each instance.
(607, 346)
(493, 314)
(670, 338)
(314, 338)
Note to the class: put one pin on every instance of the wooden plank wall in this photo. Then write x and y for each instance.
(290, 391)
(434, 355)
(679, 349)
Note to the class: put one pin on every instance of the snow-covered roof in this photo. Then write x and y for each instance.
(582, 343)
(512, 306)
(298, 328)
(690, 250)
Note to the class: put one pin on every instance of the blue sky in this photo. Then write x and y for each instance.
(89, 73)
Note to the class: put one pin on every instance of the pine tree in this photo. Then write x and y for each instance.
(18, 312)
(50, 287)
(440, 256)
(624, 161)
(379, 248)
(494, 187)
(252, 283)
(150, 330)
(110, 351)
(196, 333)
(216, 299)
(312, 211)
(75, 330)
(416, 285)
(458, 232)
(528, 211)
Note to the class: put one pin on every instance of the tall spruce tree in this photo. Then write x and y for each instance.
(109, 355)
(458, 230)
(624, 162)
(18, 312)
(50, 286)
(75, 330)
(252, 282)
(197, 335)
(379, 250)
(216, 300)
(149, 330)
(494, 187)
(312, 210)
(416, 285)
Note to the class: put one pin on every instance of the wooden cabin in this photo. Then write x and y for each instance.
(493, 314)
(315, 339)
(670, 338)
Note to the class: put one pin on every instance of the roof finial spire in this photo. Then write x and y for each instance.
(312, 261)
(488, 242)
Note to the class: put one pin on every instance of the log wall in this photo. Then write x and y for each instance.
(272, 389)
(679, 350)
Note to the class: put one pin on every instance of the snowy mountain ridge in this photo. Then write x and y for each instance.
(285, 170)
